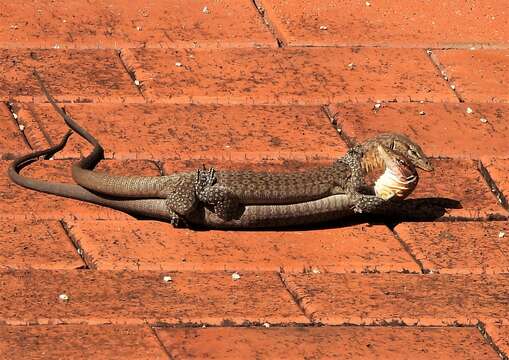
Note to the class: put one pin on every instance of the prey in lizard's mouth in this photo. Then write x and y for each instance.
(399, 178)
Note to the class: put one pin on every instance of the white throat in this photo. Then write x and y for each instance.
(389, 185)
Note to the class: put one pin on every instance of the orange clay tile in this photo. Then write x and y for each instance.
(253, 84)
(459, 247)
(350, 342)
(388, 23)
(153, 245)
(11, 138)
(36, 244)
(23, 204)
(71, 75)
(478, 75)
(136, 297)
(500, 337)
(309, 75)
(457, 187)
(180, 132)
(80, 342)
(410, 299)
(120, 23)
(498, 170)
(472, 131)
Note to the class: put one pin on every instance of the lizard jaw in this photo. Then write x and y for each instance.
(399, 178)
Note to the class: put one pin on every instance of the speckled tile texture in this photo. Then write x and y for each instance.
(258, 85)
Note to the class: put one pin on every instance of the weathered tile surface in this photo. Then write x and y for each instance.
(308, 76)
(71, 75)
(11, 140)
(459, 247)
(136, 297)
(120, 24)
(498, 170)
(478, 75)
(388, 23)
(79, 342)
(326, 342)
(500, 337)
(455, 189)
(407, 298)
(36, 244)
(181, 132)
(240, 84)
(153, 245)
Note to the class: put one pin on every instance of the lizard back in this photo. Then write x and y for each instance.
(285, 188)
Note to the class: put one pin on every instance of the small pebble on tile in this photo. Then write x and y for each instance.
(235, 276)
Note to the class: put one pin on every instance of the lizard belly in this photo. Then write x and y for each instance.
(310, 212)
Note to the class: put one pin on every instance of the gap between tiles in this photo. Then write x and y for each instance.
(273, 30)
(442, 72)
(484, 333)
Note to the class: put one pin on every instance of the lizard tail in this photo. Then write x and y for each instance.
(155, 208)
(97, 153)
(126, 186)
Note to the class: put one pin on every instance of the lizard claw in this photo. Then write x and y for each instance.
(366, 203)
(204, 178)
(178, 221)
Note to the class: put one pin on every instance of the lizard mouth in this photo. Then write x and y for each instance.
(399, 178)
(425, 165)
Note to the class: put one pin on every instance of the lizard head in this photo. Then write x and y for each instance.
(400, 177)
(406, 147)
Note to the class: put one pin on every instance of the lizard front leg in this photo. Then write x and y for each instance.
(353, 159)
(361, 203)
(180, 200)
(225, 204)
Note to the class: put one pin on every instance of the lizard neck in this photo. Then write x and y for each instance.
(372, 161)
(387, 181)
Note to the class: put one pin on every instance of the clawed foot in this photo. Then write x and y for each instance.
(178, 221)
(204, 179)
(212, 194)
(366, 203)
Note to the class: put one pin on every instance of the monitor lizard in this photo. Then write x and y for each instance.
(398, 180)
(227, 192)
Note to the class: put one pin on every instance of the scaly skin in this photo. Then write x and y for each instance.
(404, 146)
(333, 207)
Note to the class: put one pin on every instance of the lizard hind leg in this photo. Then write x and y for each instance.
(180, 200)
(225, 204)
